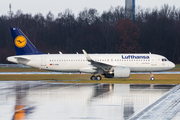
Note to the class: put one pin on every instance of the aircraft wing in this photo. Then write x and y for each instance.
(99, 65)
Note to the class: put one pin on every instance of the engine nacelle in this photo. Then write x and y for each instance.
(121, 72)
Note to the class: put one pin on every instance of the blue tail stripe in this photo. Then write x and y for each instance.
(27, 48)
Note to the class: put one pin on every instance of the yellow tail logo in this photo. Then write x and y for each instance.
(20, 41)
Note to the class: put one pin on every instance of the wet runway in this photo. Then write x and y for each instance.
(57, 101)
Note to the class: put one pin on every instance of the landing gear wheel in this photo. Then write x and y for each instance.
(152, 78)
(98, 77)
(93, 77)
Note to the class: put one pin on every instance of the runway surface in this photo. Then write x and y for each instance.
(30, 100)
(4, 73)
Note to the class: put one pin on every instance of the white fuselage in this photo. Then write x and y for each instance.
(79, 63)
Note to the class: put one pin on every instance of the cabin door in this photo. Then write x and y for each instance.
(153, 61)
(43, 61)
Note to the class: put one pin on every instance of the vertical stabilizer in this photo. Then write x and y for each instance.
(22, 44)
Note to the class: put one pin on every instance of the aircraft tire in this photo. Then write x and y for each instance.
(93, 77)
(152, 78)
(98, 77)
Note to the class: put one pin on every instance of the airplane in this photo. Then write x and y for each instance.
(109, 65)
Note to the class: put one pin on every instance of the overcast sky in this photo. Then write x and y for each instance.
(57, 6)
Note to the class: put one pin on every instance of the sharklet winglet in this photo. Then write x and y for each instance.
(87, 56)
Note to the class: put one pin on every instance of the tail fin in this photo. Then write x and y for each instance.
(22, 44)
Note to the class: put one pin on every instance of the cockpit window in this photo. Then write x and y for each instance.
(164, 59)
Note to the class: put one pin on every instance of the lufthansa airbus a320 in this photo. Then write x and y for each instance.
(109, 65)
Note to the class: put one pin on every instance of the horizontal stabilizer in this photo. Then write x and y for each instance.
(22, 58)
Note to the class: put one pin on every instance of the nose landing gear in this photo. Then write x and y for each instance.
(152, 76)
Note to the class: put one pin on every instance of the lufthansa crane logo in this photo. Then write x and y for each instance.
(20, 41)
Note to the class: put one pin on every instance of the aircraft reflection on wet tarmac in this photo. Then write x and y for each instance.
(41, 100)
(21, 110)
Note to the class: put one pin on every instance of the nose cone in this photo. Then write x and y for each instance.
(171, 65)
(174, 65)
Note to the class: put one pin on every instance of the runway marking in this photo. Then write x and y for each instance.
(164, 108)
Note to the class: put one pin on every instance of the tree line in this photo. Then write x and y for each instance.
(154, 30)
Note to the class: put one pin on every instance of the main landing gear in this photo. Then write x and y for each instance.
(152, 76)
(93, 77)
